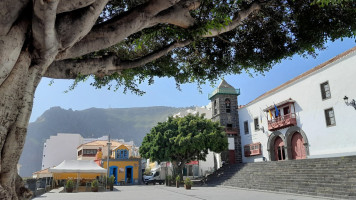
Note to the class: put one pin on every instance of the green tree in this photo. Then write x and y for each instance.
(181, 140)
(122, 43)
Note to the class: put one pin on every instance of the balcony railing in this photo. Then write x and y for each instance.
(231, 131)
(252, 149)
(282, 122)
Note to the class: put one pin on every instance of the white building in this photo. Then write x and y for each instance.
(205, 110)
(62, 146)
(313, 119)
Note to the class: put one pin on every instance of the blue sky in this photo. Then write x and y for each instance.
(164, 92)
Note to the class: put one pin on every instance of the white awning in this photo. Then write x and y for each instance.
(78, 166)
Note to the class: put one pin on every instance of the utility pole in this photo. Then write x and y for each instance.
(107, 161)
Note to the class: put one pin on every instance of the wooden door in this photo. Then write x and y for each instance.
(298, 149)
(232, 156)
(279, 149)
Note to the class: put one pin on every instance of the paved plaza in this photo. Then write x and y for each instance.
(156, 192)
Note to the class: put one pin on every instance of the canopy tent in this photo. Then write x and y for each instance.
(81, 168)
(78, 166)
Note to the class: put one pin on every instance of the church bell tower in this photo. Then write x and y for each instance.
(224, 110)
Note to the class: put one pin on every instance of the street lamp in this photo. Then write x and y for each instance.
(351, 103)
(107, 161)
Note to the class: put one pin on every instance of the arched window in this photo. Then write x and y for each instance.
(215, 108)
(228, 105)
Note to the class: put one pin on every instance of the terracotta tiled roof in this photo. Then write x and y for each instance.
(102, 143)
(127, 146)
(307, 73)
(43, 171)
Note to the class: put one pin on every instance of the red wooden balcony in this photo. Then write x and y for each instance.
(231, 131)
(252, 149)
(282, 122)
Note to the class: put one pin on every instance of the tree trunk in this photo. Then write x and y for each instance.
(178, 169)
(16, 101)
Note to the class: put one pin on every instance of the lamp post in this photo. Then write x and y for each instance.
(107, 161)
(351, 103)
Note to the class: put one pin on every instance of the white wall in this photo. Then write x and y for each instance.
(323, 141)
(61, 147)
(208, 165)
(206, 110)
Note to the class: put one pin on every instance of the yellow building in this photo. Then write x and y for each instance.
(124, 166)
(124, 162)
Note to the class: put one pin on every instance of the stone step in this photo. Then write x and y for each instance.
(328, 177)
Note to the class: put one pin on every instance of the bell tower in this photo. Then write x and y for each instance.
(224, 107)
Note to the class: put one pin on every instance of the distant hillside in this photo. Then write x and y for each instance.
(120, 123)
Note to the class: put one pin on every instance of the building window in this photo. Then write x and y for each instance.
(89, 152)
(80, 152)
(228, 105)
(325, 91)
(286, 110)
(257, 126)
(330, 117)
(122, 154)
(215, 108)
(246, 127)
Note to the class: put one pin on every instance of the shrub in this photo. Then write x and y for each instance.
(188, 182)
(111, 180)
(69, 184)
(178, 178)
(94, 183)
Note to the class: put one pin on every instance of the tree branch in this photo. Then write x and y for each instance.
(241, 16)
(43, 29)
(178, 14)
(70, 69)
(10, 48)
(9, 12)
(73, 26)
(67, 6)
(117, 29)
(151, 57)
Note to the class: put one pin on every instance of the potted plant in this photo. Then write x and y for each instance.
(94, 185)
(111, 181)
(188, 184)
(177, 181)
(69, 186)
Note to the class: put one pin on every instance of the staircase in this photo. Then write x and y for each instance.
(327, 177)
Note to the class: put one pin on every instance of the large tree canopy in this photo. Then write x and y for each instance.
(122, 43)
(181, 140)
